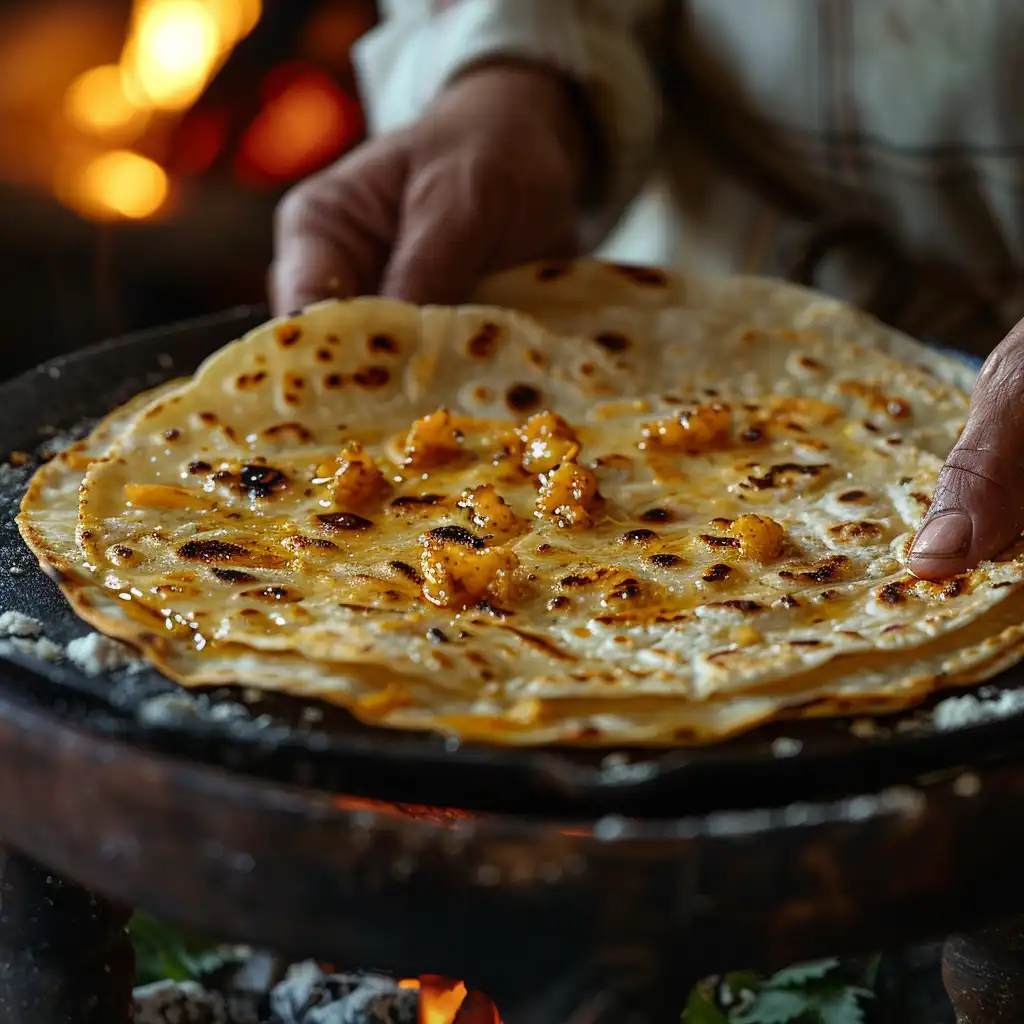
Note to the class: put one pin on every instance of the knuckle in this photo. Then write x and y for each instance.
(533, 174)
(507, 194)
(486, 173)
(968, 469)
(1004, 368)
(305, 205)
(995, 425)
(433, 180)
(486, 163)
(298, 207)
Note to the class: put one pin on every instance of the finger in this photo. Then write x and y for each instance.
(309, 271)
(332, 233)
(978, 508)
(438, 263)
(469, 215)
(443, 240)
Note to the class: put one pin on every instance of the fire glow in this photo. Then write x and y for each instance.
(173, 49)
(445, 1002)
(116, 184)
(306, 120)
(441, 1001)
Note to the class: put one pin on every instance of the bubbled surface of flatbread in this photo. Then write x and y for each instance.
(646, 626)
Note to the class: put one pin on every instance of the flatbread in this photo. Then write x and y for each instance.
(654, 621)
(554, 293)
(50, 529)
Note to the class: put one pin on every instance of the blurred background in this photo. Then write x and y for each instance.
(143, 145)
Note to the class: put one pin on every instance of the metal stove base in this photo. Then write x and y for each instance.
(65, 958)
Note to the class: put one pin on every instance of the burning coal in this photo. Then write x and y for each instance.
(313, 994)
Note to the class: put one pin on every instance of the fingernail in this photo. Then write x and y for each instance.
(947, 535)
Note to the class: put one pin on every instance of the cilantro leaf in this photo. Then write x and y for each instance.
(841, 1006)
(165, 952)
(821, 992)
(701, 1010)
(774, 1006)
(799, 975)
(740, 981)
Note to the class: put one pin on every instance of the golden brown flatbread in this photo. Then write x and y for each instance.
(661, 520)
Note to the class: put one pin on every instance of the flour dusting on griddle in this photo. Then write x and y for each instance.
(968, 709)
(95, 654)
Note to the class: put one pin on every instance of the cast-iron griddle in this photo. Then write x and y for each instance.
(315, 745)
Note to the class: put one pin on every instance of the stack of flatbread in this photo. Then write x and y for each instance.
(603, 506)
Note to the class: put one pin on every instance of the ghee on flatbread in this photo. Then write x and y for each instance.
(664, 519)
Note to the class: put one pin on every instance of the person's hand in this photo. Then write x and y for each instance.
(978, 508)
(488, 178)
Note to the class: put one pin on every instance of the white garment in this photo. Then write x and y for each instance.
(908, 110)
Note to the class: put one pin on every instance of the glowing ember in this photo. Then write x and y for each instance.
(446, 817)
(235, 18)
(442, 817)
(440, 1000)
(171, 53)
(200, 142)
(118, 184)
(444, 1002)
(333, 29)
(305, 122)
(173, 49)
(97, 102)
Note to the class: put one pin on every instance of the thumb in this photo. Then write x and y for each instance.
(978, 508)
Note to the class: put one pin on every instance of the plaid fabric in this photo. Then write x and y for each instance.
(787, 118)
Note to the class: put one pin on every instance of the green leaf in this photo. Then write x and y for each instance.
(821, 992)
(701, 1010)
(799, 975)
(739, 981)
(165, 952)
(773, 1007)
(841, 1007)
(742, 987)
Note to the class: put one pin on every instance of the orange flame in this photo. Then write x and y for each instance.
(173, 49)
(441, 1000)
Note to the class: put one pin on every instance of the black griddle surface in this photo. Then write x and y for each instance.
(315, 745)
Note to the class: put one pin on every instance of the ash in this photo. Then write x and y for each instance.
(967, 710)
(908, 989)
(168, 1002)
(306, 996)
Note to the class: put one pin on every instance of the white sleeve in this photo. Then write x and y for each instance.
(421, 44)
